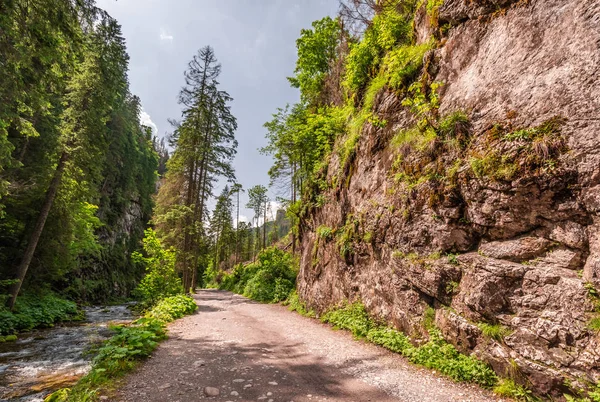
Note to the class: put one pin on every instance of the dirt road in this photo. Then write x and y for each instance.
(256, 352)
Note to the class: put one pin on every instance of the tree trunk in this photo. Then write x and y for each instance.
(293, 201)
(237, 229)
(38, 229)
(265, 227)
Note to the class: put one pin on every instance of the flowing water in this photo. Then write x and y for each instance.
(41, 362)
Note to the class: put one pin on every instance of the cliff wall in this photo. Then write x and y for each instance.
(499, 224)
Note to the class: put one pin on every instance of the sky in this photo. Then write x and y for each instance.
(255, 42)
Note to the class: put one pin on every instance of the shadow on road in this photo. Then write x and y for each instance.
(266, 368)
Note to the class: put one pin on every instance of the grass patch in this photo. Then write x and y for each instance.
(436, 354)
(594, 324)
(509, 388)
(496, 332)
(402, 64)
(295, 304)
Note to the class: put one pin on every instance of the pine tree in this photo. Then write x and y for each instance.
(204, 149)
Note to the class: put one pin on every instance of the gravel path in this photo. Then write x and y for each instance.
(248, 351)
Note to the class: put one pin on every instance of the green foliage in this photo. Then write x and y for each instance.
(453, 259)
(271, 279)
(509, 388)
(591, 396)
(429, 318)
(402, 64)
(160, 280)
(347, 235)
(435, 354)
(86, 224)
(353, 317)
(35, 311)
(316, 53)
(65, 97)
(8, 338)
(387, 30)
(172, 308)
(423, 102)
(295, 304)
(325, 232)
(205, 146)
(455, 126)
(494, 166)
(432, 10)
(439, 355)
(594, 324)
(510, 153)
(496, 332)
(391, 339)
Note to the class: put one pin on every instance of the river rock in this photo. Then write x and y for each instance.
(211, 391)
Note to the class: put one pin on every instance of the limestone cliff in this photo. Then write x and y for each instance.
(510, 235)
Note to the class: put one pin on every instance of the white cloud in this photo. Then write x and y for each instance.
(164, 35)
(147, 121)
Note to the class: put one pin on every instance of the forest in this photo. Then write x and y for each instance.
(83, 181)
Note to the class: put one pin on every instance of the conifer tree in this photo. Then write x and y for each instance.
(204, 149)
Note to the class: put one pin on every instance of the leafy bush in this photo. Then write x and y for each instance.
(435, 354)
(37, 310)
(283, 288)
(160, 280)
(270, 279)
(402, 64)
(352, 317)
(295, 304)
(129, 344)
(439, 355)
(316, 51)
(172, 308)
(385, 32)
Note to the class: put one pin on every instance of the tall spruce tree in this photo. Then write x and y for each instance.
(205, 145)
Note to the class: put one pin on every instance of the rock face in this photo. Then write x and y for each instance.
(524, 247)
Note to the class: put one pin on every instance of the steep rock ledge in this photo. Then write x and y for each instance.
(523, 251)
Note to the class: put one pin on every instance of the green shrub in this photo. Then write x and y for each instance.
(402, 64)
(269, 280)
(594, 324)
(295, 304)
(35, 311)
(436, 354)
(283, 288)
(439, 355)
(172, 308)
(352, 317)
(325, 232)
(160, 280)
(391, 339)
(261, 287)
(387, 29)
